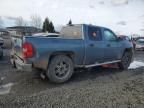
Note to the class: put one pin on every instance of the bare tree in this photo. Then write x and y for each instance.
(20, 21)
(1, 22)
(36, 21)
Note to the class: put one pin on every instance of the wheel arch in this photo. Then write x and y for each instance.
(127, 50)
(70, 54)
(125, 62)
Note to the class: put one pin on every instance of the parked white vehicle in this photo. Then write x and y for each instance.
(140, 44)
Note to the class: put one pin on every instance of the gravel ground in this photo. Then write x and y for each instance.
(95, 88)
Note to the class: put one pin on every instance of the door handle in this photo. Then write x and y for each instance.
(108, 45)
(91, 45)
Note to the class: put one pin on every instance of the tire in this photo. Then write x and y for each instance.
(60, 69)
(125, 61)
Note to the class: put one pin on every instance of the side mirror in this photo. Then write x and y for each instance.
(119, 39)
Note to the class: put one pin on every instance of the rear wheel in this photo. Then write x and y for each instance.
(60, 69)
(125, 61)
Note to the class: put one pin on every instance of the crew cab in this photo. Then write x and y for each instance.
(76, 46)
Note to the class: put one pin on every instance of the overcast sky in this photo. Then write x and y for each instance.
(59, 10)
(80, 11)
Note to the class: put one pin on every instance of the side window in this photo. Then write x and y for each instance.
(109, 35)
(94, 34)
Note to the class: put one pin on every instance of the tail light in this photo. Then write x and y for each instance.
(27, 50)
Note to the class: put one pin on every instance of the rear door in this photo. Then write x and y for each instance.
(94, 46)
(112, 47)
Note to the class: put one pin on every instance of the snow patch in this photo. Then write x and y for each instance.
(136, 64)
(5, 89)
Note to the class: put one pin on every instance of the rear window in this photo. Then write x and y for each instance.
(72, 32)
(94, 34)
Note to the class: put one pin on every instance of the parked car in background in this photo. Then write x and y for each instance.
(77, 46)
(140, 44)
(1, 50)
(7, 38)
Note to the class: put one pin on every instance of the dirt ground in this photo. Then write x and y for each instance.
(94, 88)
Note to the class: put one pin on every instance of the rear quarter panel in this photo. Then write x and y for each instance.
(45, 47)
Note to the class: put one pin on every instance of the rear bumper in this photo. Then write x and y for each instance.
(20, 65)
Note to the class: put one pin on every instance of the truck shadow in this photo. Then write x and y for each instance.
(86, 74)
(81, 75)
(93, 73)
(111, 73)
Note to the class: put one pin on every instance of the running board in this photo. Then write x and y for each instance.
(99, 64)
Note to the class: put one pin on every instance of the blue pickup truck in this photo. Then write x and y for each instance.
(76, 46)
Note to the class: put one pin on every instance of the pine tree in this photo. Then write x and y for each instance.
(70, 22)
(48, 26)
(52, 29)
(43, 27)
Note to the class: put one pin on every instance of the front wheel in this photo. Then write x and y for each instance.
(60, 69)
(125, 61)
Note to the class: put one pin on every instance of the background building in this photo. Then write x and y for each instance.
(23, 30)
(7, 38)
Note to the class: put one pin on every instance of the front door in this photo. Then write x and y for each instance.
(112, 47)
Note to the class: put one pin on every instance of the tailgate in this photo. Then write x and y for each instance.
(17, 46)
